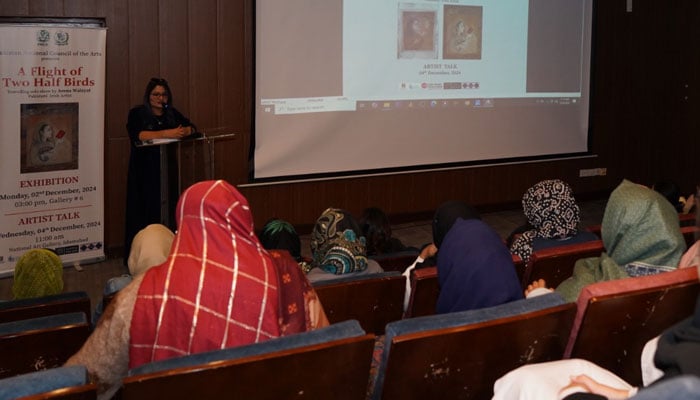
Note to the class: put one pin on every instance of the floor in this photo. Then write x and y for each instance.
(91, 278)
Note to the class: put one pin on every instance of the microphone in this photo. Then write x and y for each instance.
(165, 105)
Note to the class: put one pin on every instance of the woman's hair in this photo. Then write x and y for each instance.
(149, 88)
(670, 191)
(447, 214)
(376, 230)
(278, 234)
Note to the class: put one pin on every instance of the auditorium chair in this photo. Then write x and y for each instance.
(329, 363)
(616, 318)
(595, 229)
(460, 355)
(398, 261)
(519, 265)
(686, 219)
(66, 383)
(374, 300)
(44, 306)
(425, 289)
(40, 343)
(556, 264)
(689, 233)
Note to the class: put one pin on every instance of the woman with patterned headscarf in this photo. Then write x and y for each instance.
(641, 235)
(338, 248)
(553, 215)
(218, 288)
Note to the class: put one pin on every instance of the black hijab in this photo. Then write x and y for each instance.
(447, 214)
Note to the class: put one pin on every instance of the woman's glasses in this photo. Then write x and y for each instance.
(158, 94)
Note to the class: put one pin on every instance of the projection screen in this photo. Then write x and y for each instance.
(367, 86)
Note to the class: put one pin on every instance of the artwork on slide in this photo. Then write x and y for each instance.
(418, 33)
(462, 32)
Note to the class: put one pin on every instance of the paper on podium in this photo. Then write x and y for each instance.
(160, 141)
(155, 142)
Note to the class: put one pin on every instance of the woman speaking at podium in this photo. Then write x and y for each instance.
(156, 118)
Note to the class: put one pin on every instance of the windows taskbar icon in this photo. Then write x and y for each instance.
(387, 105)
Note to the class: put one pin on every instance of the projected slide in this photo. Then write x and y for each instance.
(480, 80)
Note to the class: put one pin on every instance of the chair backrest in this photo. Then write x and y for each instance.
(615, 319)
(425, 289)
(689, 233)
(374, 300)
(332, 362)
(686, 219)
(398, 261)
(56, 383)
(40, 343)
(556, 264)
(62, 303)
(461, 355)
(595, 229)
(520, 267)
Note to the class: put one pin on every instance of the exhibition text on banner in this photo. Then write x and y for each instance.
(52, 80)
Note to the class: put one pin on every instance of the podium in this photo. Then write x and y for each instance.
(206, 138)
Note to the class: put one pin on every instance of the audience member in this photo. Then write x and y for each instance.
(445, 216)
(38, 273)
(475, 268)
(377, 231)
(641, 235)
(691, 258)
(689, 203)
(150, 247)
(671, 192)
(278, 234)
(677, 354)
(553, 215)
(281, 235)
(338, 248)
(218, 288)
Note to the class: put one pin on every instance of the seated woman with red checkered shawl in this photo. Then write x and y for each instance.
(218, 288)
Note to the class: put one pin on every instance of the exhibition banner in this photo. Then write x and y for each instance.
(52, 96)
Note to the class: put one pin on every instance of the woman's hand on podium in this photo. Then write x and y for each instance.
(177, 133)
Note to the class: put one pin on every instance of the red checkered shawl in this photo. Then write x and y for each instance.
(218, 288)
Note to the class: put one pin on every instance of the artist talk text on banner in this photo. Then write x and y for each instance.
(52, 80)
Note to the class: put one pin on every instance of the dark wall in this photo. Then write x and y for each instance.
(645, 87)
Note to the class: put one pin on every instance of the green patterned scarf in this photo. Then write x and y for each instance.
(639, 225)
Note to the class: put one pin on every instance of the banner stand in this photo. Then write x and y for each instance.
(52, 96)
